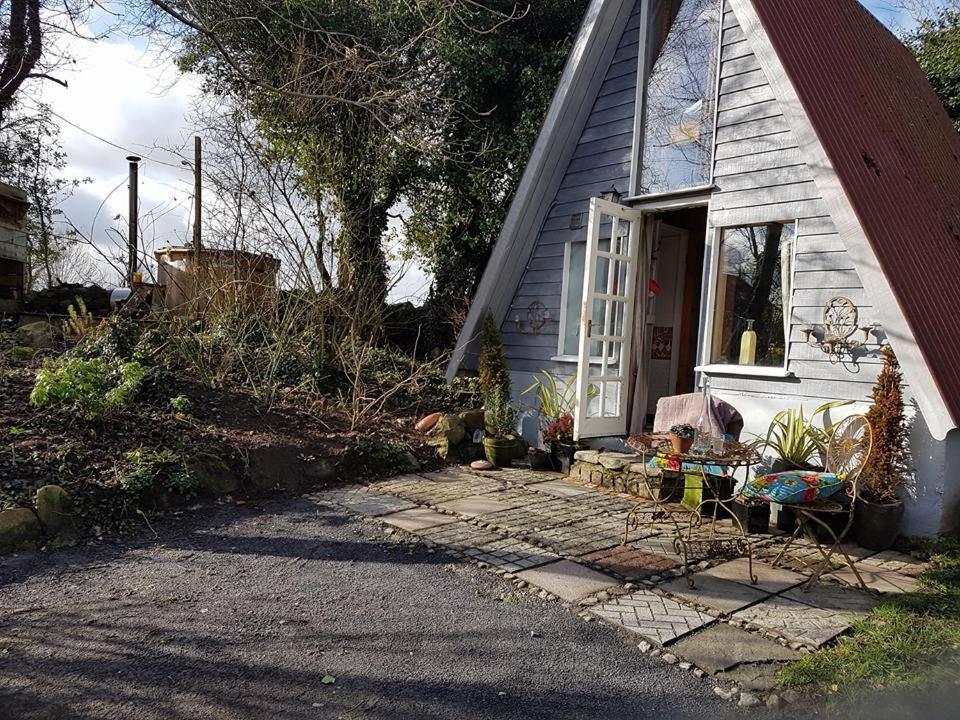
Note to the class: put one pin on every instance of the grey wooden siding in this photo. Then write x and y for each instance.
(760, 177)
(602, 159)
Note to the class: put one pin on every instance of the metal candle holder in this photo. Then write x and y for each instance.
(840, 323)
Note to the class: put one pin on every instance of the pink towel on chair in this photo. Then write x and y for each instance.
(685, 410)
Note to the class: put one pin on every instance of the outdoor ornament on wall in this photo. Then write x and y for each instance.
(538, 317)
(840, 322)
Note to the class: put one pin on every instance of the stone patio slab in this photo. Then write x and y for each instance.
(568, 580)
(477, 505)
(899, 562)
(418, 519)
(629, 563)
(653, 616)
(362, 500)
(560, 488)
(835, 598)
(722, 647)
(796, 621)
(770, 579)
(877, 578)
(716, 593)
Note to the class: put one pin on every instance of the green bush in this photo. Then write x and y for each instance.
(91, 389)
(374, 456)
(149, 470)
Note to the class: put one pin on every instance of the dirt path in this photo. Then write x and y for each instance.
(242, 613)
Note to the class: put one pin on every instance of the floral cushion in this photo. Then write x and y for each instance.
(794, 487)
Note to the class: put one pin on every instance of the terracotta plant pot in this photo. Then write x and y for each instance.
(877, 525)
(500, 451)
(681, 445)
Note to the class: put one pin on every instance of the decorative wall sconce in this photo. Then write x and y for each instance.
(840, 323)
(538, 317)
(612, 195)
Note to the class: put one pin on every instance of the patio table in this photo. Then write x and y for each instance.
(690, 537)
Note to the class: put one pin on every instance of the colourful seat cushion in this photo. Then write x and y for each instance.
(793, 488)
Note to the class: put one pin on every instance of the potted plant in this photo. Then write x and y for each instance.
(798, 444)
(879, 507)
(681, 438)
(557, 400)
(559, 437)
(500, 442)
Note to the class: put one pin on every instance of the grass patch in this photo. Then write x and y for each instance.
(908, 641)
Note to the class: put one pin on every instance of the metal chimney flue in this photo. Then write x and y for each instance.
(133, 215)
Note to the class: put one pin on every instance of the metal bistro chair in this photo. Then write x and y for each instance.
(850, 446)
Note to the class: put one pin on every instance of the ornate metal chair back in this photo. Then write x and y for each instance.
(850, 447)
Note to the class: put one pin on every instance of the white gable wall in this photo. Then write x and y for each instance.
(760, 177)
(601, 160)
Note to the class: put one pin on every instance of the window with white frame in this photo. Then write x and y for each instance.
(574, 268)
(754, 284)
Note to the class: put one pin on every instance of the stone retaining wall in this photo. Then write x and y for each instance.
(627, 474)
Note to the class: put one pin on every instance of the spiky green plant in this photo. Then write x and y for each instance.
(796, 439)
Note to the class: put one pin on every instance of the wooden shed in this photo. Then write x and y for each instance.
(13, 248)
(219, 278)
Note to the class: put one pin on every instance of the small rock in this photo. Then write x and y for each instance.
(603, 596)
(482, 465)
(534, 634)
(685, 665)
(670, 659)
(748, 700)
(699, 673)
(629, 586)
(655, 579)
(790, 696)
(725, 694)
(543, 594)
(773, 701)
(589, 602)
(645, 646)
(656, 652)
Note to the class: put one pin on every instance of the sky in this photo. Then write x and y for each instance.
(123, 98)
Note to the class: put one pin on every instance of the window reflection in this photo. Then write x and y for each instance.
(679, 123)
(754, 286)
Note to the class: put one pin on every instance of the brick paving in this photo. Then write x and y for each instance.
(653, 616)
(581, 537)
(511, 555)
(629, 563)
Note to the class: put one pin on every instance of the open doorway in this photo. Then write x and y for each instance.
(673, 317)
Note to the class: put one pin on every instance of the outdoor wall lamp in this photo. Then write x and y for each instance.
(538, 317)
(612, 195)
(840, 324)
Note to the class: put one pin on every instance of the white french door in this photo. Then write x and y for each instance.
(607, 319)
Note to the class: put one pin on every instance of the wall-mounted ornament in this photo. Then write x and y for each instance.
(841, 321)
(538, 317)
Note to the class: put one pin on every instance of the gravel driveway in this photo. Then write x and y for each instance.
(295, 609)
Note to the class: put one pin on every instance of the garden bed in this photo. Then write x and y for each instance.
(151, 456)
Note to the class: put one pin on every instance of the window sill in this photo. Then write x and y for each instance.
(745, 370)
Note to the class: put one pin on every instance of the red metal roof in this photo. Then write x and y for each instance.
(896, 153)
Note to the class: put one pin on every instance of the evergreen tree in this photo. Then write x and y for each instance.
(494, 376)
(889, 462)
